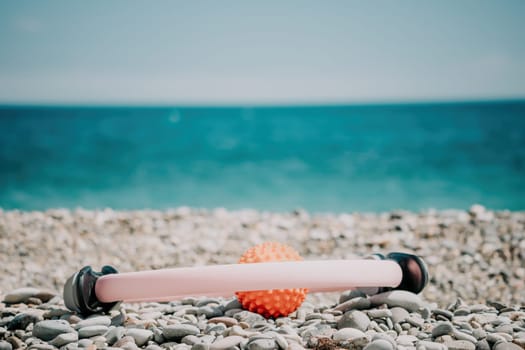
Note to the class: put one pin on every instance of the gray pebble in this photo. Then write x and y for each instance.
(407, 300)
(358, 303)
(84, 343)
(94, 321)
(153, 347)
(178, 331)
(354, 319)
(385, 336)
(494, 338)
(399, 314)
(228, 321)
(379, 313)
(5, 345)
(262, 344)
(416, 322)
(141, 336)
(64, 338)
(460, 345)
(20, 295)
(90, 331)
(228, 343)
(22, 320)
(442, 328)
(114, 334)
(346, 334)
(506, 346)
(198, 346)
(479, 333)
(464, 336)
(428, 345)
(482, 345)
(350, 294)
(444, 313)
(406, 340)
(49, 329)
(379, 344)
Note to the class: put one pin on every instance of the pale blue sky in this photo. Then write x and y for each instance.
(258, 52)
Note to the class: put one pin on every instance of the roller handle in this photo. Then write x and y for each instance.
(80, 296)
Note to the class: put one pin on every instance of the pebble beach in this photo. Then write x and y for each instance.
(475, 299)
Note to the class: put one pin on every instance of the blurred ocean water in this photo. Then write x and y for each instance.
(344, 158)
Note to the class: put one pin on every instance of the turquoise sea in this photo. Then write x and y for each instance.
(331, 158)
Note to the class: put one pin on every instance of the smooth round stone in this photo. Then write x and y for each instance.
(49, 329)
(428, 345)
(228, 321)
(407, 300)
(460, 345)
(406, 340)
(64, 338)
(228, 343)
(122, 341)
(442, 328)
(350, 294)
(141, 336)
(94, 321)
(506, 346)
(358, 303)
(91, 331)
(384, 336)
(210, 311)
(191, 340)
(482, 345)
(20, 295)
(84, 343)
(153, 347)
(379, 344)
(347, 334)
(464, 336)
(114, 334)
(21, 321)
(262, 344)
(479, 333)
(399, 314)
(5, 345)
(444, 313)
(178, 331)
(354, 319)
(379, 313)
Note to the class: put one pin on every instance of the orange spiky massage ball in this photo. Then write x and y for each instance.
(275, 302)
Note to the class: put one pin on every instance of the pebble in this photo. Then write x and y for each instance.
(141, 336)
(358, 303)
(399, 314)
(20, 295)
(442, 328)
(228, 343)
(347, 334)
(5, 345)
(114, 334)
(460, 345)
(179, 331)
(227, 321)
(90, 331)
(409, 301)
(49, 329)
(428, 345)
(64, 338)
(354, 319)
(94, 321)
(379, 344)
(262, 344)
